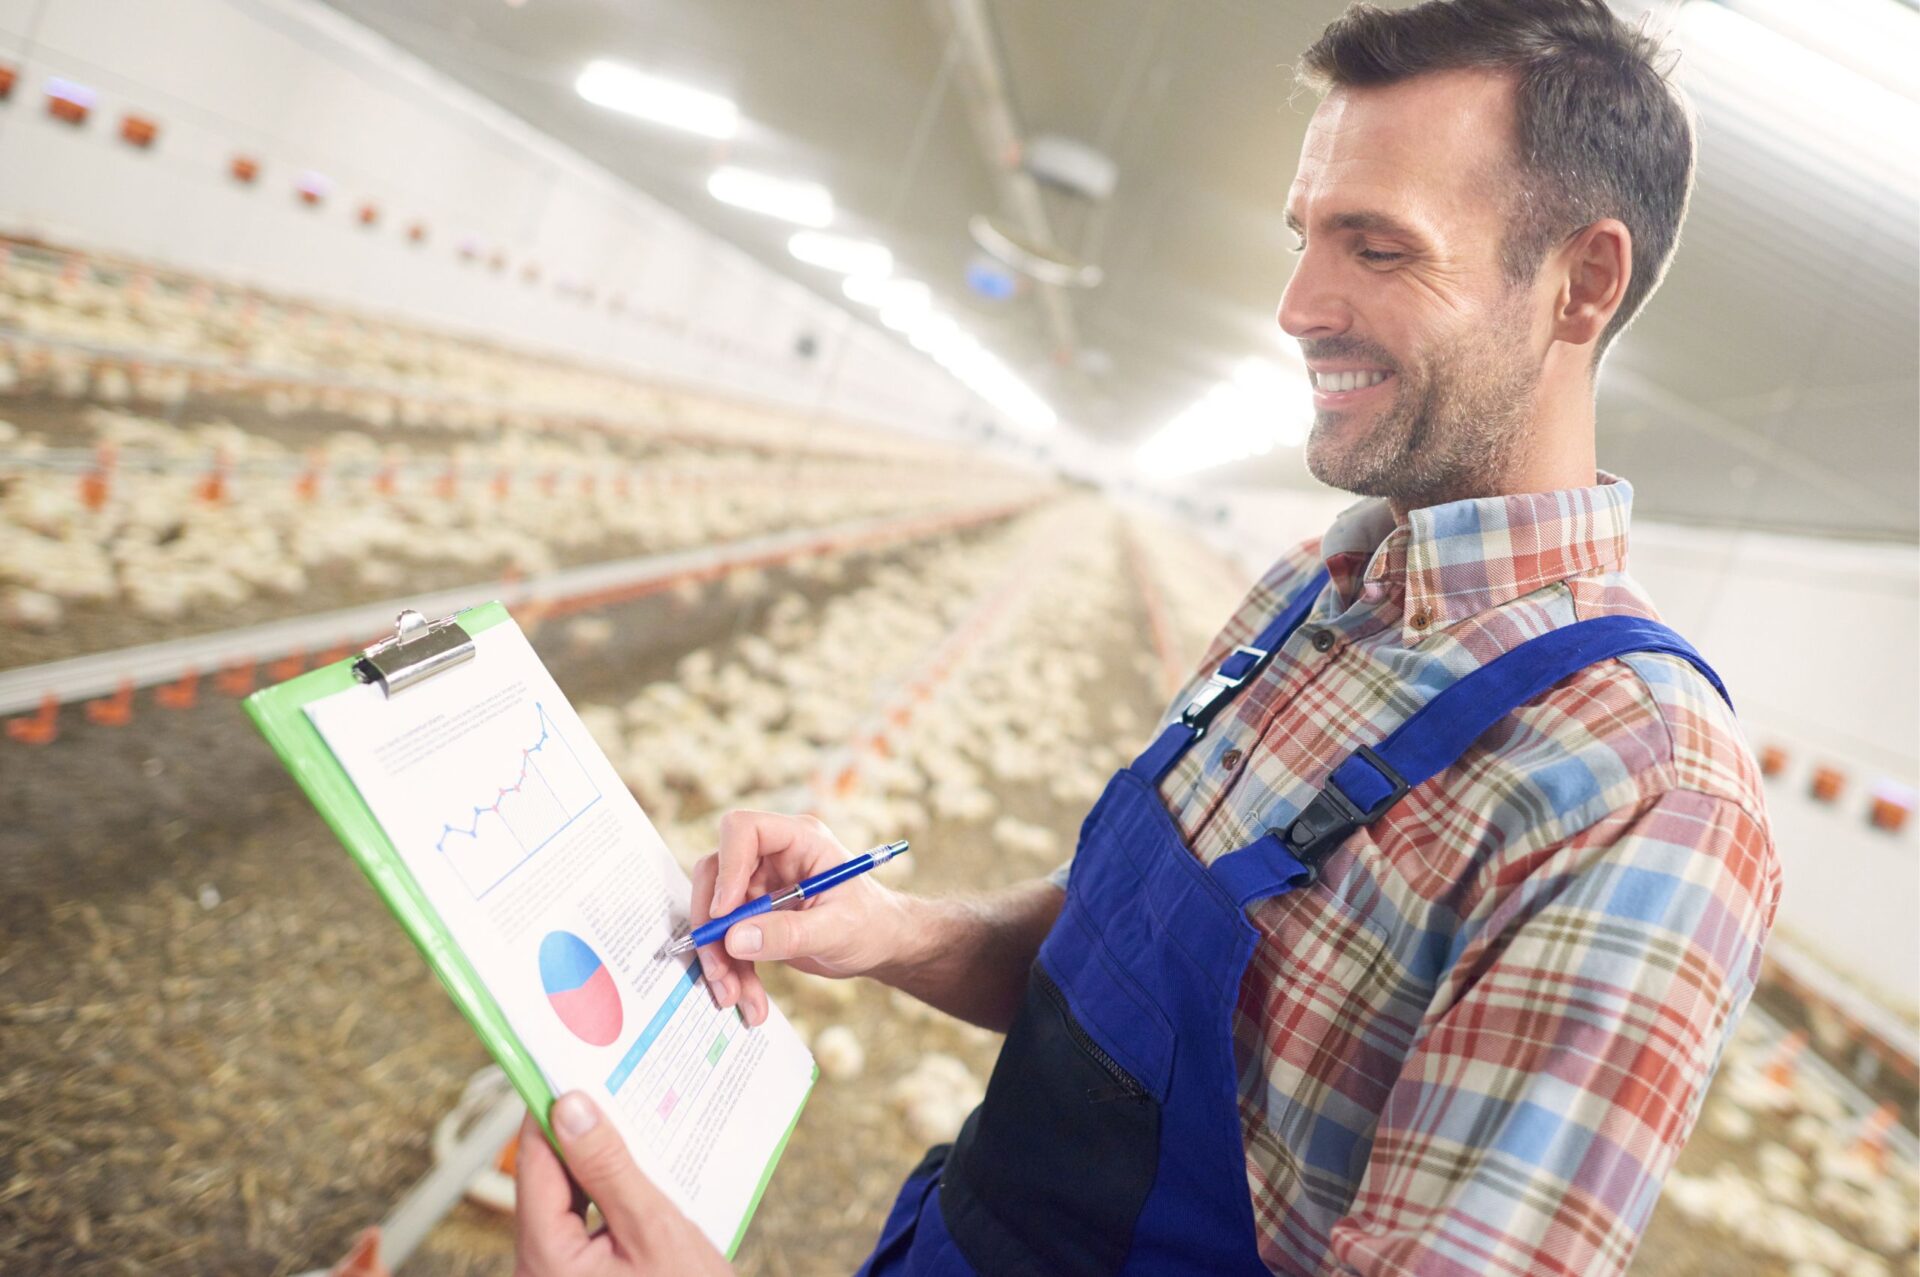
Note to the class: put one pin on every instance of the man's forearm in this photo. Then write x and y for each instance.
(969, 956)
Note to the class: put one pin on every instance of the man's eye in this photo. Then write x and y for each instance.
(1301, 247)
(1374, 255)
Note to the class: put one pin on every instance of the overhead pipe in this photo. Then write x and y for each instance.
(997, 129)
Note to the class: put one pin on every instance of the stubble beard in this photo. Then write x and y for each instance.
(1455, 429)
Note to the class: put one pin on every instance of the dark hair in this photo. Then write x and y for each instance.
(1599, 132)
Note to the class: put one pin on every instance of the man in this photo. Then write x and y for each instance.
(1474, 1006)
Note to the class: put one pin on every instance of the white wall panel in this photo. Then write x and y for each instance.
(304, 89)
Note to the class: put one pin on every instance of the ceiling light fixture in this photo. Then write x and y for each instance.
(868, 290)
(649, 97)
(802, 203)
(970, 363)
(905, 303)
(934, 332)
(840, 253)
(906, 299)
(1263, 405)
(906, 307)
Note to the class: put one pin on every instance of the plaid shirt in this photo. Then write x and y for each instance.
(1476, 1045)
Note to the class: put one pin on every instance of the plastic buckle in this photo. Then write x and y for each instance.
(1207, 701)
(1332, 817)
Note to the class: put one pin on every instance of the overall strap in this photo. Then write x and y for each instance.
(1264, 867)
(1371, 780)
(1241, 666)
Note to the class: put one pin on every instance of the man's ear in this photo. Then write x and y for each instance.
(1595, 266)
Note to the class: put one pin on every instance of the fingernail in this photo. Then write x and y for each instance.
(744, 939)
(575, 1115)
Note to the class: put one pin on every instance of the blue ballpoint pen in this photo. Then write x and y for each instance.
(708, 932)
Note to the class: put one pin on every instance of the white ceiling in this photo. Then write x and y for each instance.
(1772, 382)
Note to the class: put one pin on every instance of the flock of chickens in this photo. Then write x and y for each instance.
(183, 448)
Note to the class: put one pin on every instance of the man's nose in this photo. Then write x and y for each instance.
(1311, 307)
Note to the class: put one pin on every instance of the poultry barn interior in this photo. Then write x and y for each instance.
(313, 311)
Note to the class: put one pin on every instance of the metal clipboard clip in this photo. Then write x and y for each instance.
(418, 650)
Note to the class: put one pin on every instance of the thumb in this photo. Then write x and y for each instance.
(776, 937)
(599, 1160)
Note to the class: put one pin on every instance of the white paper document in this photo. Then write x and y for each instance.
(560, 892)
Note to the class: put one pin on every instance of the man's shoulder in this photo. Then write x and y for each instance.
(1700, 744)
(1621, 733)
(1617, 738)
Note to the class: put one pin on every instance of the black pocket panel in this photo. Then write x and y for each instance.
(1050, 1172)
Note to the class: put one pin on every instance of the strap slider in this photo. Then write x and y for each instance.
(1241, 664)
(1332, 817)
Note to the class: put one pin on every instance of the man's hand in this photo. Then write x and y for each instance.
(849, 931)
(645, 1233)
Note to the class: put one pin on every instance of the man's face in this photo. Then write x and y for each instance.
(1401, 201)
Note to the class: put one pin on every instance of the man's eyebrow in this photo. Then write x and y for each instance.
(1358, 220)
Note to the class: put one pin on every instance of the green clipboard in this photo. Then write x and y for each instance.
(280, 714)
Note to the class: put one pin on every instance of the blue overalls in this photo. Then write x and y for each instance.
(1109, 1140)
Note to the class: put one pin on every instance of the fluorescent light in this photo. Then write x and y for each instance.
(906, 306)
(933, 333)
(631, 92)
(956, 351)
(901, 302)
(804, 203)
(1264, 405)
(905, 303)
(977, 370)
(840, 253)
(1278, 394)
(909, 296)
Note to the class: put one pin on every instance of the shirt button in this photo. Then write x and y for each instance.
(1420, 621)
(1230, 759)
(1324, 640)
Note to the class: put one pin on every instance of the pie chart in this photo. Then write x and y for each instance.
(580, 988)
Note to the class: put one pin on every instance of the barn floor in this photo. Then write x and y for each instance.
(224, 1058)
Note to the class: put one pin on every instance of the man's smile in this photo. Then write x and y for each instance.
(1334, 388)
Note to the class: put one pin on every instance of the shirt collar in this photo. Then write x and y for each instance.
(1455, 560)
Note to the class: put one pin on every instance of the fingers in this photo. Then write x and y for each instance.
(738, 856)
(598, 1158)
(753, 997)
(759, 851)
(700, 906)
(715, 967)
(545, 1224)
(749, 837)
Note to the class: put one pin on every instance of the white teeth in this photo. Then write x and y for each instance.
(1336, 382)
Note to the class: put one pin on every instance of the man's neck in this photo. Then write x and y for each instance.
(1560, 454)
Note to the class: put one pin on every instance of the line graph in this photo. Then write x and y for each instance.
(551, 791)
